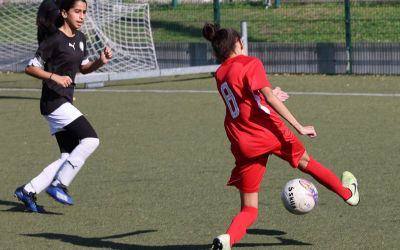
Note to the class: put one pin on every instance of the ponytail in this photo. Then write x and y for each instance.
(47, 19)
(222, 40)
(209, 31)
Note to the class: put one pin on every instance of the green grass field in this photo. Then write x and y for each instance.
(157, 181)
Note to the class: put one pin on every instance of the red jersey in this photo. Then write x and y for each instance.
(252, 126)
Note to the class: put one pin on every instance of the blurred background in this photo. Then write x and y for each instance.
(290, 36)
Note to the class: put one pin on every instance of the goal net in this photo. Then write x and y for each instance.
(125, 27)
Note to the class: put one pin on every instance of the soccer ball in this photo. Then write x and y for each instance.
(299, 196)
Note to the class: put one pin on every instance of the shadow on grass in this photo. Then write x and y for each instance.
(18, 207)
(269, 232)
(101, 242)
(282, 241)
(20, 97)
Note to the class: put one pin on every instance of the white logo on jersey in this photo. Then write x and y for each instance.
(81, 45)
(72, 45)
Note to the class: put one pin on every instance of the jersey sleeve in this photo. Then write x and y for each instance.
(256, 76)
(43, 53)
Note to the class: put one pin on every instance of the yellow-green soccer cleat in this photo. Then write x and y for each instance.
(350, 182)
(222, 242)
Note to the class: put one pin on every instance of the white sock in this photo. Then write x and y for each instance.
(76, 159)
(44, 179)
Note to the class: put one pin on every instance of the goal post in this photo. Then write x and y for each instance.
(125, 27)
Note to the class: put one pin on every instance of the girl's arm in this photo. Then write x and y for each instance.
(285, 113)
(105, 57)
(282, 95)
(38, 72)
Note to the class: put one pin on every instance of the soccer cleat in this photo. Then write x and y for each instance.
(60, 194)
(29, 200)
(222, 242)
(350, 182)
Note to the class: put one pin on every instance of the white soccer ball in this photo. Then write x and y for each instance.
(299, 196)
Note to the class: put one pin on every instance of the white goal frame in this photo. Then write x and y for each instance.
(125, 27)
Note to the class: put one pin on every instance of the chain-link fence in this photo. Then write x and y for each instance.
(291, 36)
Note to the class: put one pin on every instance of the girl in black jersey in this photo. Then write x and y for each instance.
(59, 57)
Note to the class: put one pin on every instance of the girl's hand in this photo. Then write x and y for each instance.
(63, 81)
(106, 55)
(307, 130)
(280, 94)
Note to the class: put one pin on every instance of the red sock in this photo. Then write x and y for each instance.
(327, 178)
(243, 220)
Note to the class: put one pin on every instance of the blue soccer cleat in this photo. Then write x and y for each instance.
(29, 200)
(60, 194)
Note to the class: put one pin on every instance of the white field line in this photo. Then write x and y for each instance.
(174, 91)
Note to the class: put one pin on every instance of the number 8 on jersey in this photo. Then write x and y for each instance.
(230, 100)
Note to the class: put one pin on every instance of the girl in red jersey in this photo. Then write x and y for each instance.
(255, 129)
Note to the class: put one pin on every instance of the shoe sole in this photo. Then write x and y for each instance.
(216, 245)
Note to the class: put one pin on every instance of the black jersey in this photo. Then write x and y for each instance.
(63, 56)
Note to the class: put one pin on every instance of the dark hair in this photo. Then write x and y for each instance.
(49, 17)
(66, 5)
(222, 40)
(46, 17)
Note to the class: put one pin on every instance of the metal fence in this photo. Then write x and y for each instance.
(296, 36)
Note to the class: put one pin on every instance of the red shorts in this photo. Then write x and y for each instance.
(248, 173)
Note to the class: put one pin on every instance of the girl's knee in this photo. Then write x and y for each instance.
(304, 160)
(64, 156)
(91, 143)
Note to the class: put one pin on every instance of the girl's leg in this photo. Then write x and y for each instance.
(323, 175)
(247, 178)
(44, 179)
(75, 161)
(88, 142)
(245, 218)
(80, 140)
(27, 193)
